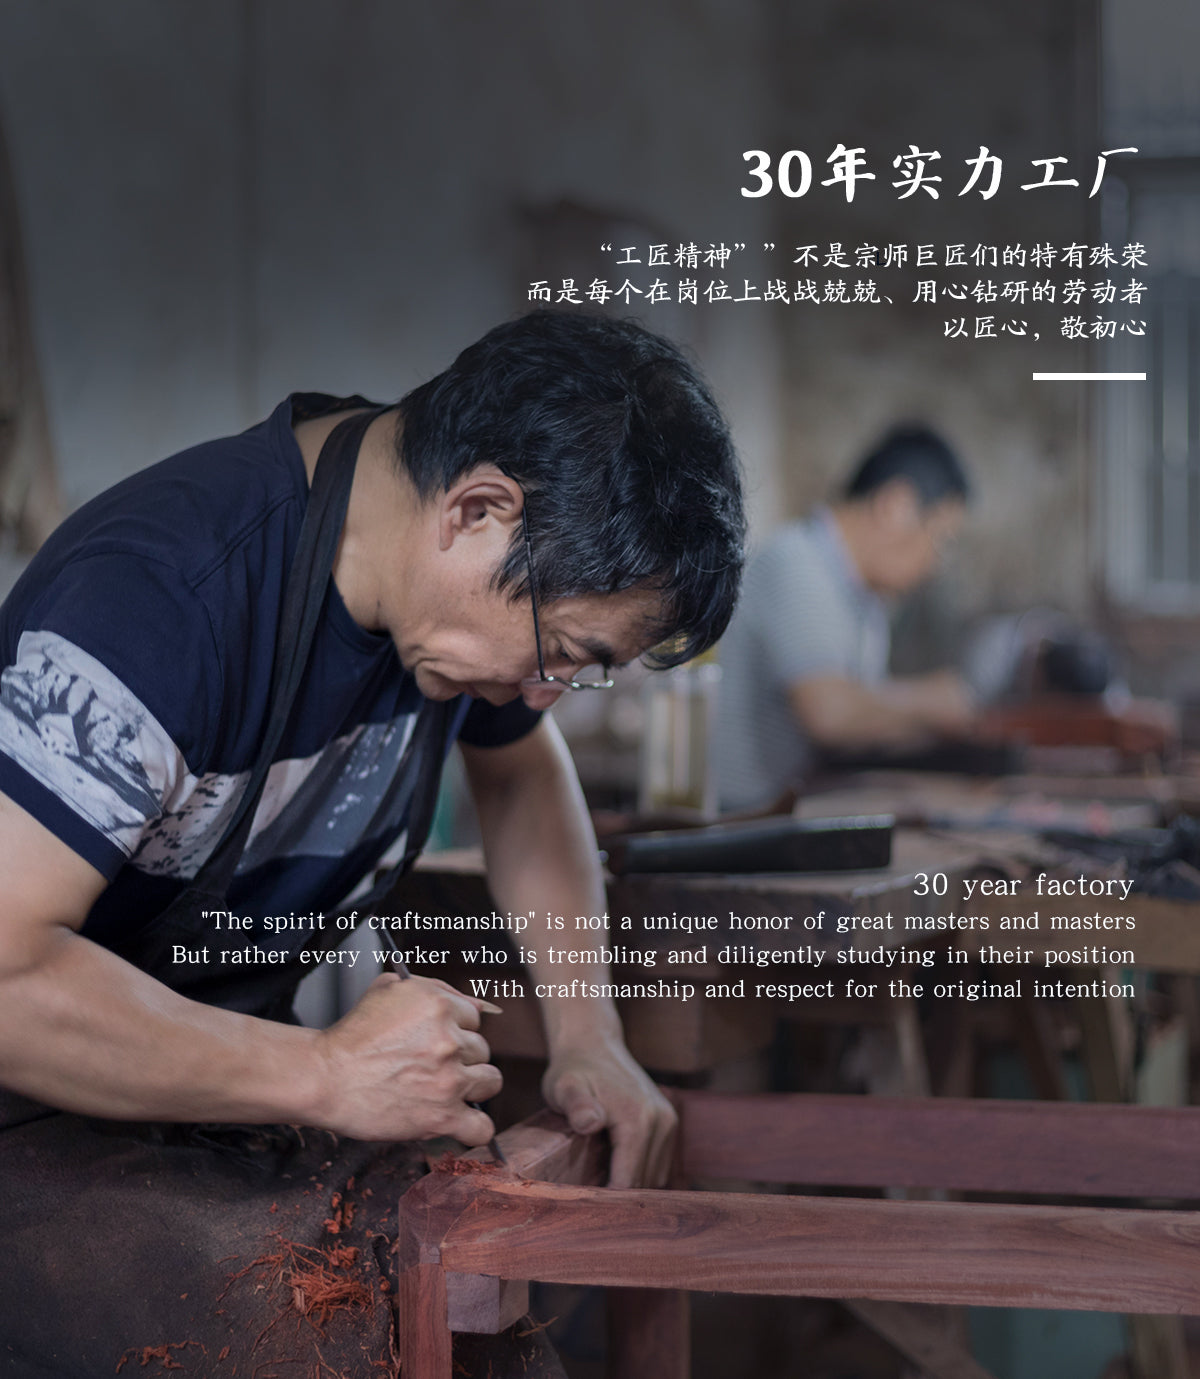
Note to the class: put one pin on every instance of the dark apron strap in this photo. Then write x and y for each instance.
(303, 599)
(432, 728)
(267, 988)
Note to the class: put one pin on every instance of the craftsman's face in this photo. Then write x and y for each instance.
(911, 540)
(488, 650)
(456, 634)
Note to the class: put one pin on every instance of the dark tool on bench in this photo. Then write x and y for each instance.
(758, 845)
(401, 970)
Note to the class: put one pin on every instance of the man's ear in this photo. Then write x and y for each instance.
(486, 497)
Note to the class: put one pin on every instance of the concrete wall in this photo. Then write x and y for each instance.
(228, 201)
(121, 121)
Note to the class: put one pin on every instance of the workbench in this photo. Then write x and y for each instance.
(669, 1036)
(952, 827)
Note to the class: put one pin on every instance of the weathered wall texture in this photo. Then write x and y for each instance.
(228, 201)
(950, 77)
(224, 202)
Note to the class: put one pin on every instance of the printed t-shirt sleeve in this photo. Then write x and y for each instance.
(488, 726)
(803, 626)
(109, 700)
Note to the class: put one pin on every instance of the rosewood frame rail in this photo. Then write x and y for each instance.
(468, 1241)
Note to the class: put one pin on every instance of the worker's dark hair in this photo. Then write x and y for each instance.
(919, 455)
(626, 463)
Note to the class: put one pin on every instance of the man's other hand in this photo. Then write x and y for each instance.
(597, 1085)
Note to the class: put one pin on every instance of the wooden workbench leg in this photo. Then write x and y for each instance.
(952, 1050)
(910, 1047)
(921, 1334)
(1185, 1001)
(424, 1332)
(1107, 1034)
(1039, 1044)
(648, 1334)
(1157, 1348)
(890, 1053)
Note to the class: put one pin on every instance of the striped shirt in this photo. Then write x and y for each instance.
(136, 656)
(804, 612)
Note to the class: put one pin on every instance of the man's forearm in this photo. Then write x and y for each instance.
(85, 1031)
(542, 857)
(841, 713)
(542, 860)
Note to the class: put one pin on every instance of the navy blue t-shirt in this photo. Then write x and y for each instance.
(137, 653)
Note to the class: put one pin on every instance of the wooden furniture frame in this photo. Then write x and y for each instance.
(465, 1236)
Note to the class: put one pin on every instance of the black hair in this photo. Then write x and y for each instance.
(627, 466)
(920, 456)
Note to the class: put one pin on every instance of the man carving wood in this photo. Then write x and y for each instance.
(195, 719)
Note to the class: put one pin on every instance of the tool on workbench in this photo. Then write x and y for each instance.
(960, 758)
(766, 845)
(400, 967)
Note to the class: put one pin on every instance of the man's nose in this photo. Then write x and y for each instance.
(539, 695)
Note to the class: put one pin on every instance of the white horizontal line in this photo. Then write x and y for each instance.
(1084, 377)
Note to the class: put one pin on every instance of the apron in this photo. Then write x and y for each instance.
(269, 991)
(252, 1251)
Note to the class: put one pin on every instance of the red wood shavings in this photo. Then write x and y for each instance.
(319, 1282)
(342, 1217)
(461, 1168)
(161, 1353)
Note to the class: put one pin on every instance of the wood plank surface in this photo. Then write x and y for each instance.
(1057, 1148)
(1089, 1258)
(484, 1304)
(544, 1146)
(425, 1342)
(1020, 802)
(648, 1333)
(541, 1147)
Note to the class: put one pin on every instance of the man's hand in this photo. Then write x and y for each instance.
(945, 700)
(403, 1064)
(82, 1029)
(542, 859)
(841, 714)
(597, 1085)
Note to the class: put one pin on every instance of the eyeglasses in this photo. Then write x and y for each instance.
(548, 684)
